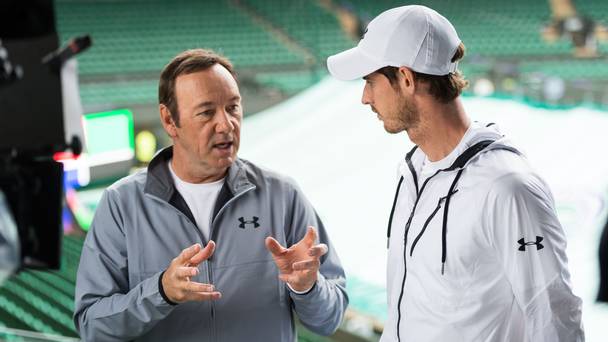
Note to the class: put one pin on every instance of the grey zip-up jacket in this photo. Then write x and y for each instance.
(142, 223)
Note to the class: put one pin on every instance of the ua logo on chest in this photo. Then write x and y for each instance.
(253, 222)
(523, 244)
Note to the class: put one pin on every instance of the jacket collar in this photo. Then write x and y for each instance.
(160, 184)
(477, 133)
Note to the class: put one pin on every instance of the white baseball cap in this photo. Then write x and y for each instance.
(413, 36)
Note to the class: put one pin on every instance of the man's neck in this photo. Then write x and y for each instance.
(441, 128)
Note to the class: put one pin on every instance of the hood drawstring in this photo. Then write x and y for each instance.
(444, 228)
(408, 159)
(459, 164)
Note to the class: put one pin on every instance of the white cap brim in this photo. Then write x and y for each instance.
(352, 64)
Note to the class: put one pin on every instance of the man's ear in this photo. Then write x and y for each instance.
(407, 80)
(167, 120)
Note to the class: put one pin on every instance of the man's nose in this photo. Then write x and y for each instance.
(366, 97)
(224, 124)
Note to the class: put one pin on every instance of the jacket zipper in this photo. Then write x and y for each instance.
(407, 229)
(426, 223)
(209, 269)
(460, 162)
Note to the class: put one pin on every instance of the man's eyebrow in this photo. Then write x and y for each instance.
(211, 103)
(204, 104)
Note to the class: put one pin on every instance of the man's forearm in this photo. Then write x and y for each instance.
(123, 316)
(322, 309)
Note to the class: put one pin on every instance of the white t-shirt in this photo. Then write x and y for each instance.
(200, 198)
(429, 168)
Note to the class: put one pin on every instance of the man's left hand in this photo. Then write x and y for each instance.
(299, 264)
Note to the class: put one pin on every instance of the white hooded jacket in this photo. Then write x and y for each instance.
(476, 252)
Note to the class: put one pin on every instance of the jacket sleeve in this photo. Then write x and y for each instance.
(322, 308)
(531, 245)
(107, 306)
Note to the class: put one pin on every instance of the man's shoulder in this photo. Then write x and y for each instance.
(495, 164)
(509, 174)
(264, 176)
(128, 184)
(504, 169)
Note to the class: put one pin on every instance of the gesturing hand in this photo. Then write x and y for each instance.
(298, 265)
(176, 279)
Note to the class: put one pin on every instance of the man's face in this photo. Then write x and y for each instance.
(394, 107)
(210, 114)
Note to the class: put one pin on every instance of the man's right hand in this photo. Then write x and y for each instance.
(176, 279)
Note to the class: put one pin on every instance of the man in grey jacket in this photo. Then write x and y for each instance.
(144, 273)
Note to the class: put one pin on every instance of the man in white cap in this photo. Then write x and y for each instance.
(475, 249)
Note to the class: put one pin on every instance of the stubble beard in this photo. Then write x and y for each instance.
(407, 118)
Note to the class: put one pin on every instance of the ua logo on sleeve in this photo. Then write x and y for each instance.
(523, 244)
(253, 221)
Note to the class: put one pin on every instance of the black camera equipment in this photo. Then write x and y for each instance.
(32, 127)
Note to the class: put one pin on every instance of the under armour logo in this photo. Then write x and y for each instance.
(254, 222)
(530, 243)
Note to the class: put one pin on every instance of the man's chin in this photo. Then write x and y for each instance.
(393, 130)
(225, 162)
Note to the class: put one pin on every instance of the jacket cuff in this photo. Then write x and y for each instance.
(301, 293)
(162, 291)
(313, 293)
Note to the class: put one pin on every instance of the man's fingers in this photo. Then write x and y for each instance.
(203, 296)
(311, 235)
(274, 246)
(186, 272)
(199, 287)
(188, 253)
(203, 254)
(312, 264)
(208, 250)
(318, 250)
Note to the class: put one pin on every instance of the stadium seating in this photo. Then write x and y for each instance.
(141, 36)
(43, 301)
(120, 93)
(488, 28)
(306, 22)
(290, 82)
(568, 70)
(138, 37)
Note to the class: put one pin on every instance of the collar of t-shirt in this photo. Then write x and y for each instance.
(429, 168)
(200, 198)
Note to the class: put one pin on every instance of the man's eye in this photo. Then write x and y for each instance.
(206, 113)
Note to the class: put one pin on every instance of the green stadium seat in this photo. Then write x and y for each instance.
(141, 36)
